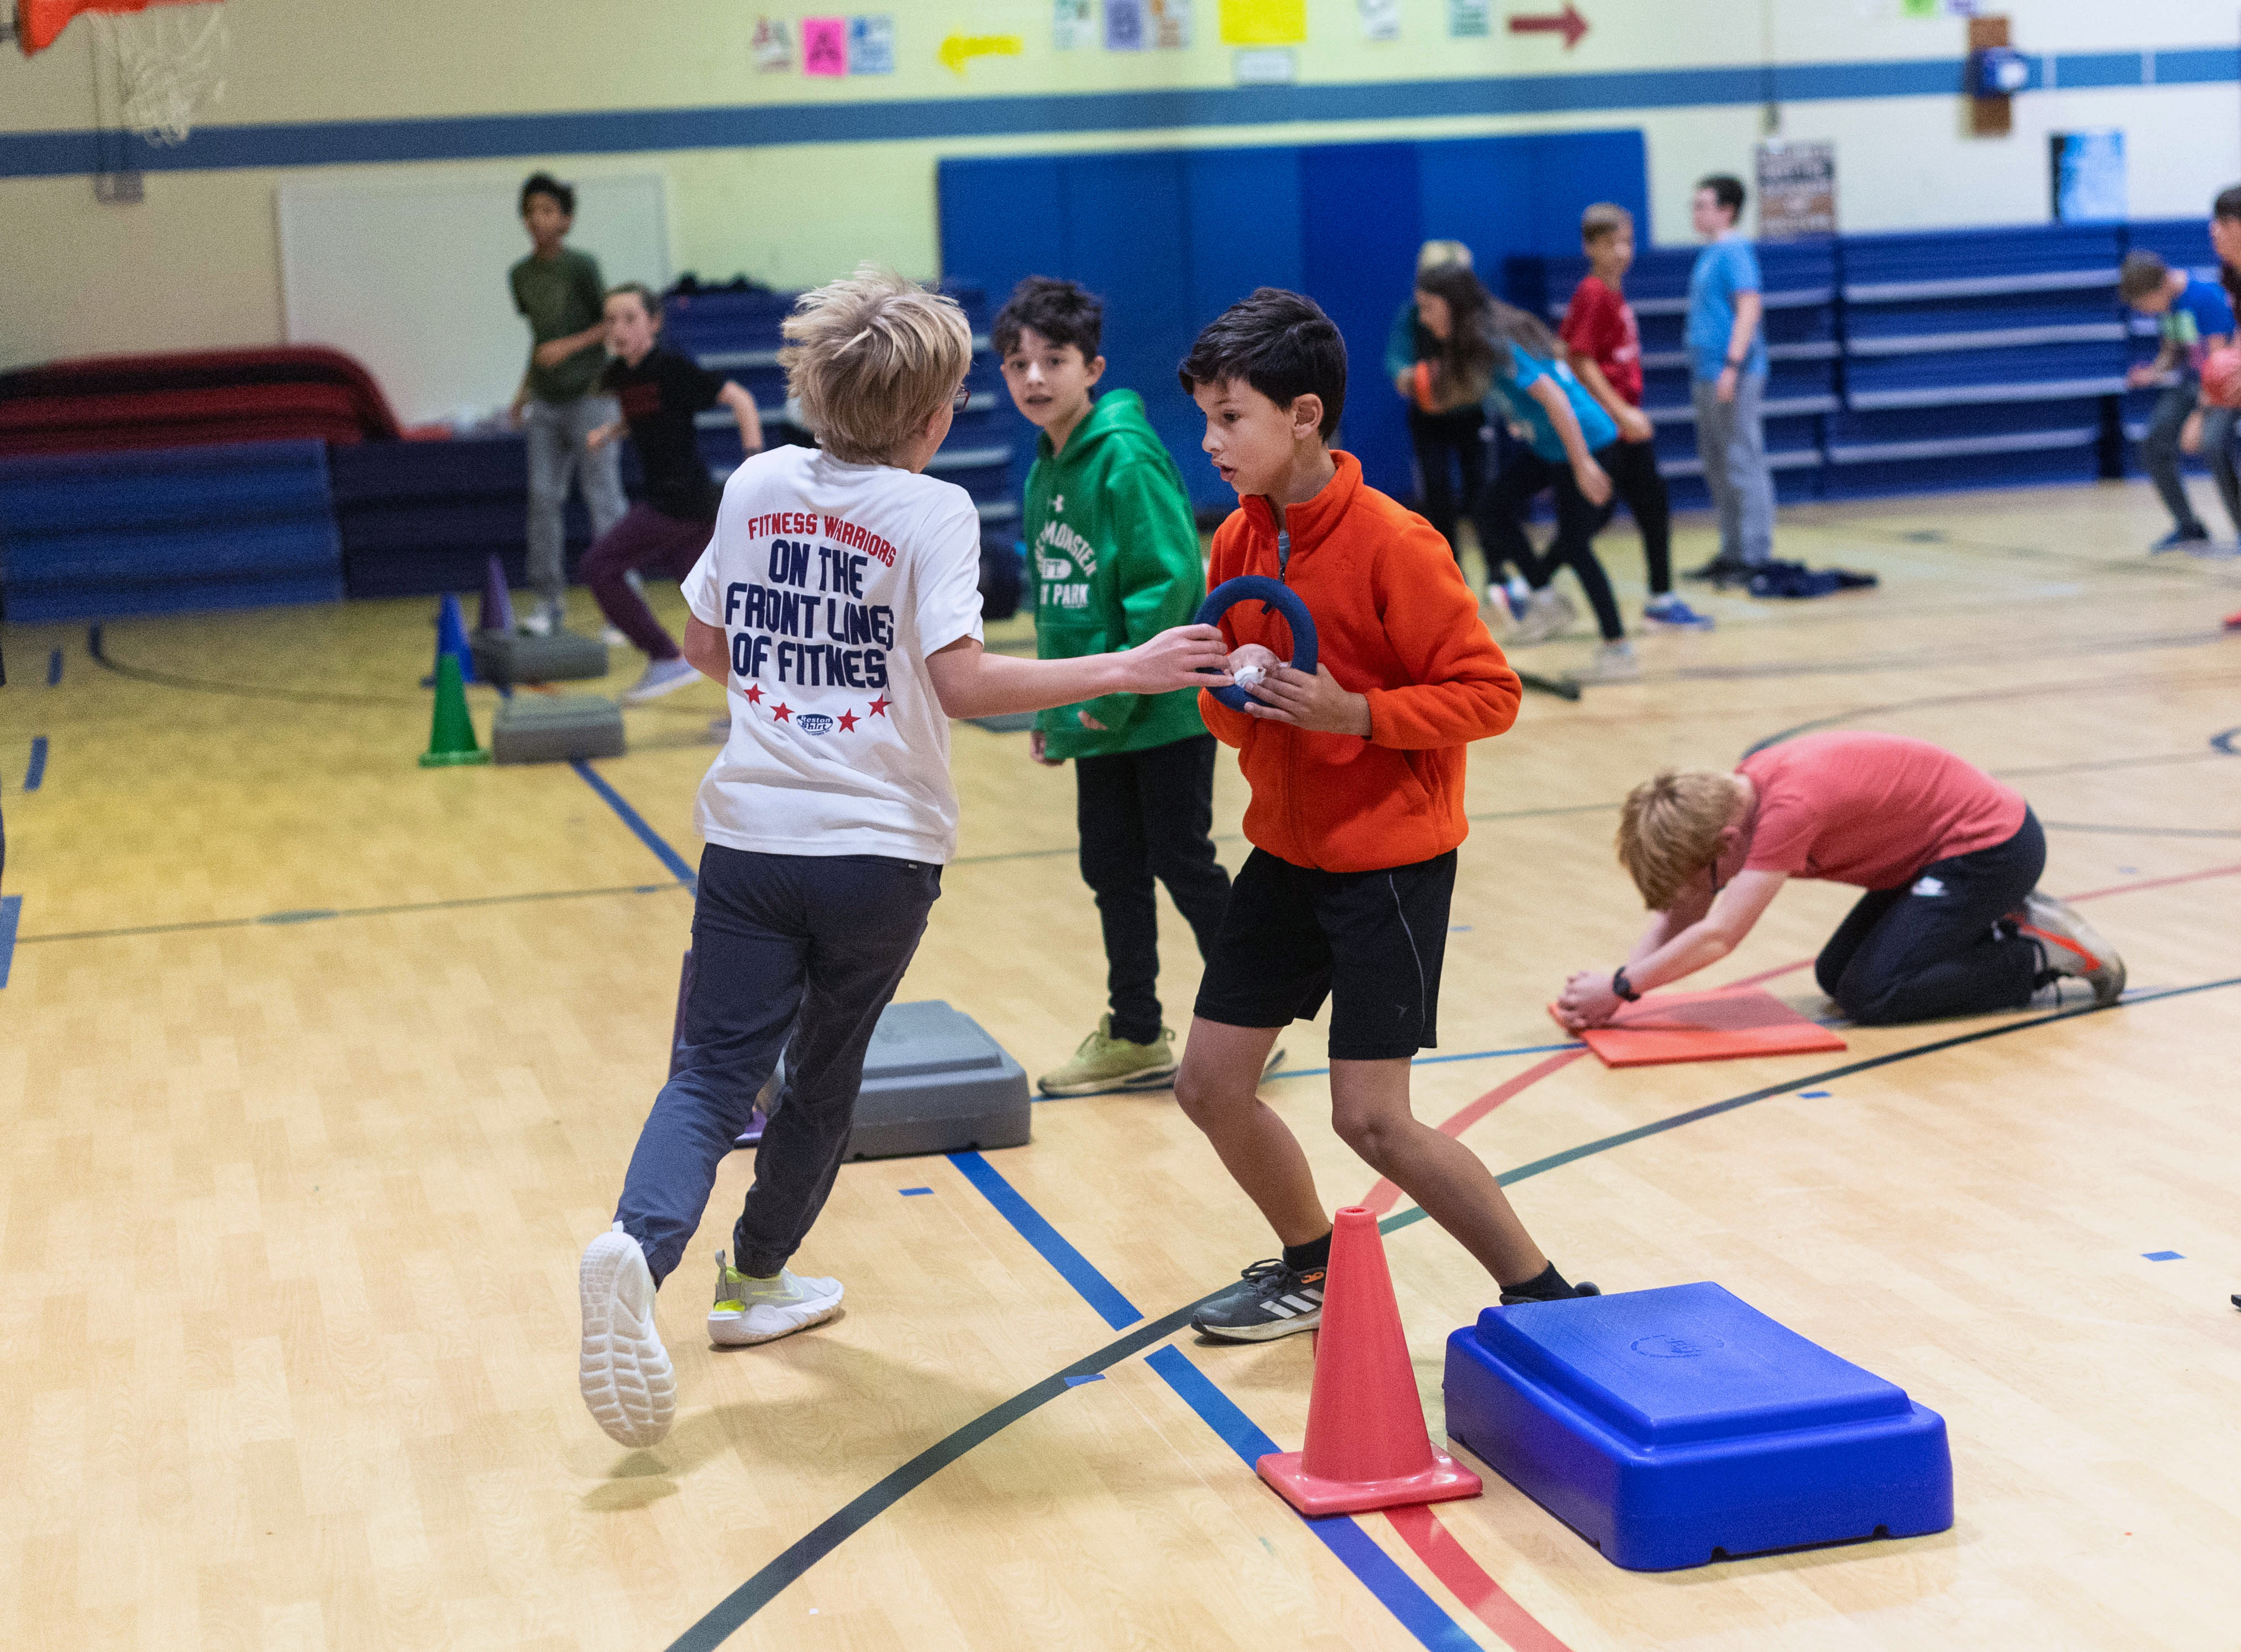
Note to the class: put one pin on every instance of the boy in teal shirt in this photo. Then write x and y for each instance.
(1113, 551)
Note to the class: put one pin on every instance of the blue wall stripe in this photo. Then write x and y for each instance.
(11, 912)
(35, 775)
(1399, 1594)
(636, 822)
(1097, 1290)
(50, 154)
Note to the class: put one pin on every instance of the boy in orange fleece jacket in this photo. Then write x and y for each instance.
(1357, 777)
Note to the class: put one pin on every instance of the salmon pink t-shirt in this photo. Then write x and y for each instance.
(1871, 810)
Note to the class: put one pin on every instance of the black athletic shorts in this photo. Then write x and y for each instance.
(1370, 941)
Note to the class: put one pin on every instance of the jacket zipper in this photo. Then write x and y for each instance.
(1292, 742)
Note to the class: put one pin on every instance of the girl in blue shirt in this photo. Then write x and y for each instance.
(1561, 428)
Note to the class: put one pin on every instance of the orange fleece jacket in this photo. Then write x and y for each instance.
(1395, 621)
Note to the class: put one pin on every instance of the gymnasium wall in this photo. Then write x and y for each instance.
(791, 178)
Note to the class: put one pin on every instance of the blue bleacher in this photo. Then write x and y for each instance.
(89, 536)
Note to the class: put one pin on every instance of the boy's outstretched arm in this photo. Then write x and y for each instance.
(1587, 999)
(743, 408)
(973, 683)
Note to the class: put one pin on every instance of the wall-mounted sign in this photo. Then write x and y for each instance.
(1380, 19)
(825, 46)
(1796, 189)
(1470, 19)
(871, 45)
(2088, 177)
(1072, 26)
(1264, 23)
(771, 49)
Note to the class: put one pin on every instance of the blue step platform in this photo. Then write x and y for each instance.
(1676, 1427)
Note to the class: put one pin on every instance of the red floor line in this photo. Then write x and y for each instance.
(1385, 1195)
(2157, 883)
(1450, 1562)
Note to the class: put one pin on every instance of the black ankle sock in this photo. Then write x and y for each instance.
(1305, 1258)
(1547, 1286)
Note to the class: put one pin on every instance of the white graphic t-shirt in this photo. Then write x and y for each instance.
(831, 583)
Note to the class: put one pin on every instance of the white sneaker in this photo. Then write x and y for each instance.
(1493, 609)
(1614, 662)
(662, 677)
(2070, 945)
(542, 622)
(748, 1311)
(613, 636)
(625, 1376)
(1547, 613)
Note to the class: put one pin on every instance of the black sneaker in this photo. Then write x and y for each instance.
(1585, 1288)
(1273, 1300)
(1720, 571)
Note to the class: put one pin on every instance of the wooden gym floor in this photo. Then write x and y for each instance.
(320, 1069)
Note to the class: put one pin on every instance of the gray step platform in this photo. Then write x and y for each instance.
(507, 657)
(934, 1082)
(552, 728)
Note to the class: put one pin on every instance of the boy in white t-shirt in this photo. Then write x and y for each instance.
(839, 604)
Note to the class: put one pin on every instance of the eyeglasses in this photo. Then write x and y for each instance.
(957, 402)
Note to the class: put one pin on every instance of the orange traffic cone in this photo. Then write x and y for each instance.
(1367, 1444)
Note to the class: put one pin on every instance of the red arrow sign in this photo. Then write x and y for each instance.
(1568, 23)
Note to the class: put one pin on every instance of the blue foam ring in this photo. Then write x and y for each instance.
(1258, 587)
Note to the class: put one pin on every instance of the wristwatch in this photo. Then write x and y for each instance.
(1622, 986)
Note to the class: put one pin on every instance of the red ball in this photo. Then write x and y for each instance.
(2221, 376)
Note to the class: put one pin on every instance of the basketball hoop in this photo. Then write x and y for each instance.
(167, 55)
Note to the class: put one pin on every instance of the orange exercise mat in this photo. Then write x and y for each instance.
(1705, 1026)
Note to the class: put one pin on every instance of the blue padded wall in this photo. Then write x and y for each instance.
(90, 536)
(1169, 239)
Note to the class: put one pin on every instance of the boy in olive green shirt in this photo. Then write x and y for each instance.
(1114, 552)
(560, 292)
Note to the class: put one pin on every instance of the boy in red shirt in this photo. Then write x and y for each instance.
(1952, 923)
(1603, 344)
(1357, 779)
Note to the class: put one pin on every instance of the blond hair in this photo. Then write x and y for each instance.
(870, 360)
(1603, 218)
(1669, 830)
(1433, 254)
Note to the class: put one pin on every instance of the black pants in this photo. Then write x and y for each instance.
(813, 944)
(1633, 468)
(1144, 815)
(1440, 438)
(1929, 949)
(1501, 531)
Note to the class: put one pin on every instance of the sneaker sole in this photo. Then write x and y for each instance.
(624, 1375)
(730, 1330)
(1267, 1333)
(2104, 972)
(1144, 1079)
(635, 695)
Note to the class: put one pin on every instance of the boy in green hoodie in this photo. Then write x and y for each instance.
(1113, 551)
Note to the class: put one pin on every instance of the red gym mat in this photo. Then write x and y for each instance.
(1705, 1026)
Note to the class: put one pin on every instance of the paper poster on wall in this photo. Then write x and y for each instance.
(1266, 66)
(871, 45)
(1170, 24)
(1796, 189)
(825, 46)
(771, 49)
(1380, 19)
(1264, 23)
(1470, 19)
(1071, 25)
(1124, 25)
(2088, 174)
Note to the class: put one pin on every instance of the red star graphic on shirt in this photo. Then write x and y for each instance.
(754, 693)
(848, 721)
(782, 713)
(880, 706)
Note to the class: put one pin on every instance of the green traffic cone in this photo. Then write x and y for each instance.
(451, 734)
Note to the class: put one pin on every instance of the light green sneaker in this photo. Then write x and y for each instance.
(750, 1310)
(1104, 1062)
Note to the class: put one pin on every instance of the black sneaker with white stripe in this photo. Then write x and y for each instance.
(1272, 1301)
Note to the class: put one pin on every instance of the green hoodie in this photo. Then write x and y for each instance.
(1112, 549)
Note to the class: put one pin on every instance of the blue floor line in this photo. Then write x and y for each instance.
(54, 667)
(636, 822)
(1094, 1289)
(1434, 1060)
(11, 912)
(1357, 1551)
(35, 774)
(1416, 1611)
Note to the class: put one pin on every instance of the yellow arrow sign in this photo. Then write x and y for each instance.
(958, 50)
